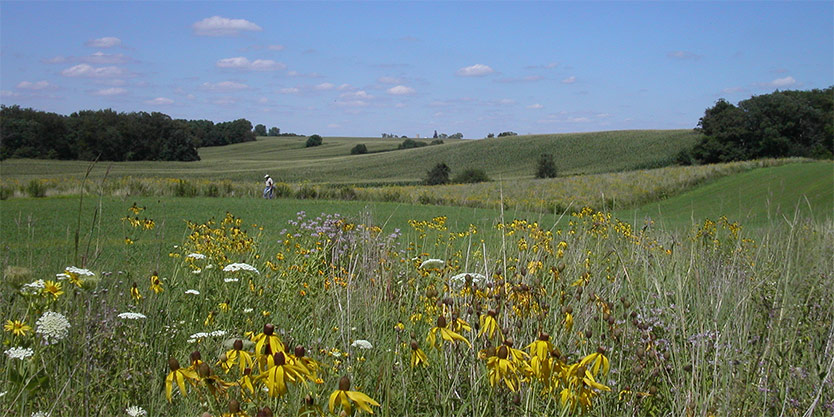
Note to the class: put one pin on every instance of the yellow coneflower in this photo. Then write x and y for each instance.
(209, 319)
(540, 361)
(17, 327)
(52, 288)
(445, 334)
(224, 306)
(597, 361)
(418, 357)
(460, 325)
(279, 373)
(156, 283)
(501, 368)
(237, 356)
(299, 359)
(180, 375)
(234, 410)
(489, 325)
(344, 396)
(134, 292)
(245, 381)
(267, 339)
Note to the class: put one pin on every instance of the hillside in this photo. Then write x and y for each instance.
(287, 160)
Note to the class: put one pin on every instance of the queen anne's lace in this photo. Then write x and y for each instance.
(52, 326)
(19, 353)
(132, 316)
(240, 266)
(136, 411)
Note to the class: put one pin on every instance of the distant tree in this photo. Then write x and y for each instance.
(260, 130)
(546, 167)
(438, 175)
(502, 134)
(456, 136)
(471, 176)
(443, 136)
(491, 135)
(436, 142)
(435, 135)
(314, 140)
(411, 143)
(359, 149)
(274, 131)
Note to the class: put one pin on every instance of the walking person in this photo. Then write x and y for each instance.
(269, 190)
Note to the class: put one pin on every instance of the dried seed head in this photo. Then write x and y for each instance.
(238, 345)
(223, 357)
(561, 267)
(569, 310)
(653, 390)
(247, 371)
(441, 321)
(544, 337)
(517, 399)
(265, 412)
(687, 368)
(588, 333)
(269, 329)
(605, 316)
(173, 364)
(234, 406)
(279, 359)
(414, 345)
(299, 351)
(203, 370)
(448, 301)
(601, 350)
(503, 352)
(196, 356)
(344, 383)
(611, 320)
(491, 313)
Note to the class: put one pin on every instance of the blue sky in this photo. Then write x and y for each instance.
(409, 68)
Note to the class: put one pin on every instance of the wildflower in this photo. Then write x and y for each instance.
(224, 306)
(445, 334)
(40, 414)
(74, 275)
(134, 292)
(245, 381)
(344, 396)
(195, 256)
(52, 288)
(132, 316)
(362, 344)
(279, 373)
(489, 325)
(177, 374)
(192, 292)
(568, 321)
(52, 326)
(432, 264)
(17, 327)
(500, 368)
(128, 241)
(136, 411)
(460, 325)
(458, 281)
(237, 354)
(227, 280)
(33, 288)
(267, 339)
(540, 361)
(418, 357)
(156, 283)
(240, 267)
(19, 353)
(597, 361)
(310, 365)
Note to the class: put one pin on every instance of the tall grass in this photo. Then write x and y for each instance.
(716, 320)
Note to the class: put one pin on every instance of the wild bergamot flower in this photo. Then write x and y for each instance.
(52, 326)
(19, 353)
(17, 327)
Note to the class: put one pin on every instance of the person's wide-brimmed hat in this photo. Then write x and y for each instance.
(266, 176)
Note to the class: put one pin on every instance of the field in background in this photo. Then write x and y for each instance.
(287, 160)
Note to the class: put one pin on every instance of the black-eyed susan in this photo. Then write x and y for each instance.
(418, 357)
(346, 398)
(180, 375)
(17, 327)
(445, 334)
(237, 356)
(489, 325)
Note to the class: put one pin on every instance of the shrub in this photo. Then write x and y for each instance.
(436, 142)
(359, 149)
(281, 190)
(5, 192)
(306, 192)
(314, 140)
(36, 189)
(438, 175)
(546, 167)
(183, 188)
(411, 143)
(471, 176)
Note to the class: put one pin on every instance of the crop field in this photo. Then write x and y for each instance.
(287, 159)
(702, 291)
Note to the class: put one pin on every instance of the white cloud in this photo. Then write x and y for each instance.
(56, 60)
(324, 87)
(113, 91)
(356, 95)
(225, 86)
(782, 82)
(477, 70)
(89, 71)
(275, 47)
(102, 58)
(290, 90)
(225, 101)
(106, 42)
(683, 55)
(535, 106)
(400, 90)
(221, 26)
(160, 101)
(243, 63)
(344, 87)
(569, 80)
(389, 80)
(38, 85)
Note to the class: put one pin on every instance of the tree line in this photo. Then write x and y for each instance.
(112, 136)
(780, 124)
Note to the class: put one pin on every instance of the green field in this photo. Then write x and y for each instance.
(287, 159)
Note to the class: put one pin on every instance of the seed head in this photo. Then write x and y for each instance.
(234, 406)
(238, 345)
(299, 351)
(173, 364)
(203, 370)
(269, 329)
(414, 345)
(279, 359)
(503, 352)
(544, 337)
(344, 383)
(441, 321)
(196, 356)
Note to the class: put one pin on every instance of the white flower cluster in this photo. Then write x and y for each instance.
(456, 282)
(80, 271)
(432, 264)
(202, 335)
(196, 256)
(19, 353)
(33, 288)
(40, 414)
(240, 267)
(52, 326)
(136, 411)
(132, 316)
(230, 280)
(192, 292)
(362, 344)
